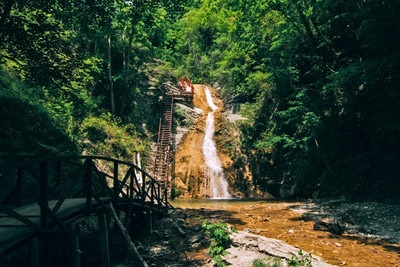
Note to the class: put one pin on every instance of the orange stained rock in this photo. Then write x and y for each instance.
(274, 220)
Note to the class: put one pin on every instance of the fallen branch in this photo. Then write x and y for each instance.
(126, 236)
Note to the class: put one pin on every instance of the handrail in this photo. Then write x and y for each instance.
(144, 187)
(80, 177)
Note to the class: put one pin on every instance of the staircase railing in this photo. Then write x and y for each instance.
(163, 152)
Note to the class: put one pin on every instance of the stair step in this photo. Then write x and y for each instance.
(161, 162)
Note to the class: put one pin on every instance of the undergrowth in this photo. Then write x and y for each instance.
(218, 236)
(301, 260)
(261, 263)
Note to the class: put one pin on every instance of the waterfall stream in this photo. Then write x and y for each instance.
(218, 184)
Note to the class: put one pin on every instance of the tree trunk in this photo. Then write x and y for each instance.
(125, 66)
(111, 84)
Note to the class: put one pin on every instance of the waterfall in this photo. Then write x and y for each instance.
(218, 184)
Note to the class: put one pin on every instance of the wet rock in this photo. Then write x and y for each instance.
(155, 235)
(176, 214)
(338, 244)
(378, 220)
(329, 224)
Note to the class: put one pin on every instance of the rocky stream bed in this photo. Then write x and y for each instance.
(273, 231)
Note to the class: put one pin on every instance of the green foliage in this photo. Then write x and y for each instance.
(181, 117)
(300, 260)
(218, 235)
(59, 50)
(104, 135)
(313, 126)
(317, 80)
(27, 127)
(260, 263)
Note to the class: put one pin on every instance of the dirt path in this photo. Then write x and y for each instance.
(277, 220)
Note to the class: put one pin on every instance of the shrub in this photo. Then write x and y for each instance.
(261, 263)
(218, 235)
(301, 260)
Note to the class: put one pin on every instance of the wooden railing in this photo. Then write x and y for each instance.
(130, 181)
(97, 179)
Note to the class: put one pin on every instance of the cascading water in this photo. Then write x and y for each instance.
(218, 184)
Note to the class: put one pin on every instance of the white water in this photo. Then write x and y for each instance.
(218, 184)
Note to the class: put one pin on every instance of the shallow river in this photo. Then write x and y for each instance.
(284, 221)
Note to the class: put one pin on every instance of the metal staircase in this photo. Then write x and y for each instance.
(163, 158)
(164, 142)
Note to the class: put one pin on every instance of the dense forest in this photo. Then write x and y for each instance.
(317, 80)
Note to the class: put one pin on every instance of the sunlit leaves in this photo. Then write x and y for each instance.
(105, 135)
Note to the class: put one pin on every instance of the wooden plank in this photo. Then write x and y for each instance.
(17, 233)
(19, 217)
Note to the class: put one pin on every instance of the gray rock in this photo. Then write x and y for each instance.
(247, 247)
(329, 224)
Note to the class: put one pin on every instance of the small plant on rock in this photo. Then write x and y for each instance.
(218, 235)
(301, 260)
(261, 263)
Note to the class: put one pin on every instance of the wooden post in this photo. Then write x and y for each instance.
(166, 194)
(149, 220)
(87, 182)
(34, 259)
(131, 185)
(58, 176)
(44, 205)
(143, 187)
(103, 236)
(154, 216)
(129, 210)
(159, 198)
(116, 185)
(152, 192)
(75, 252)
(44, 195)
(18, 187)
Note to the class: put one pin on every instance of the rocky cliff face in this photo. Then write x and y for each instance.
(189, 175)
(188, 179)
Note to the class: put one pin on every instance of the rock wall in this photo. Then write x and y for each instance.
(189, 169)
(188, 179)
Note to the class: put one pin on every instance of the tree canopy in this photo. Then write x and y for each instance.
(318, 81)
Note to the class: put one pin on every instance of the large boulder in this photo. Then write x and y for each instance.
(247, 247)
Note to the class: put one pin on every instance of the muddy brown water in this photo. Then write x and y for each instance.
(277, 220)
